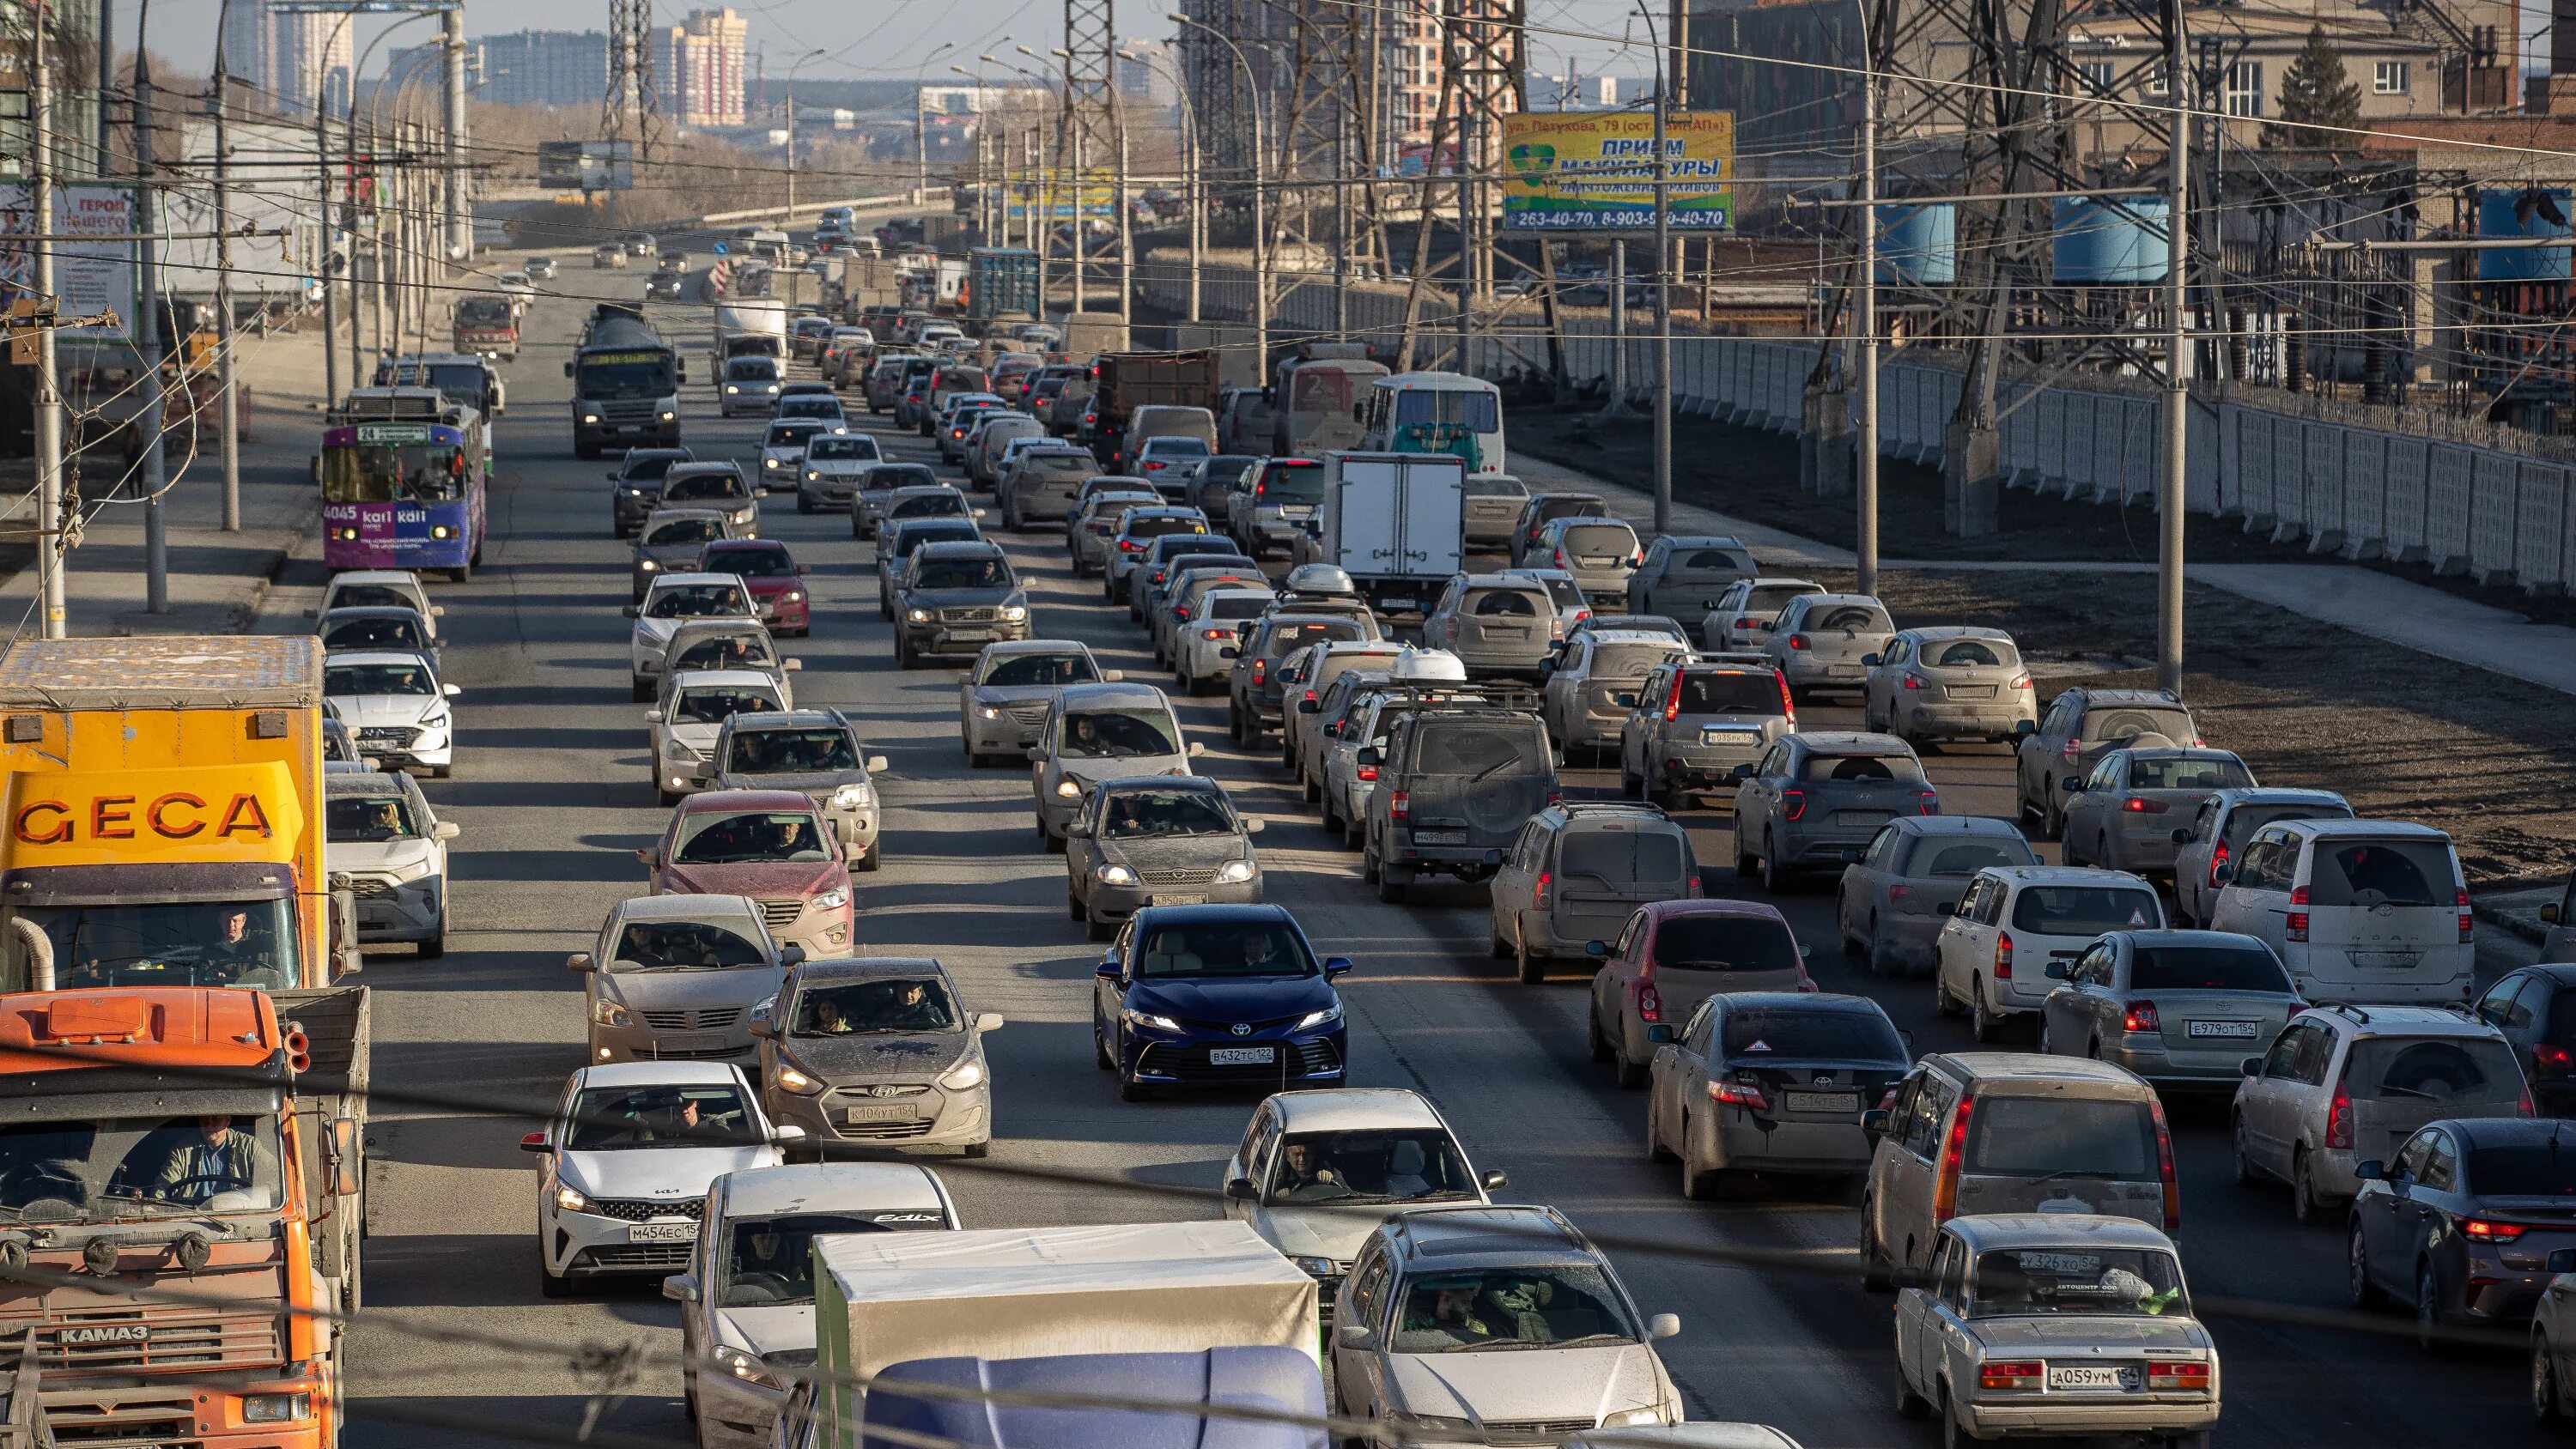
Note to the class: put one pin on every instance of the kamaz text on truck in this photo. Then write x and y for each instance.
(625, 385)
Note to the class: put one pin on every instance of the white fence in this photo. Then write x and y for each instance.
(2352, 490)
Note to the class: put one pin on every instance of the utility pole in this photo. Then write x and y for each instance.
(147, 329)
(52, 553)
(330, 295)
(2169, 499)
(229, 419)
(1663, 298)
(460, 215)
(1865, 319)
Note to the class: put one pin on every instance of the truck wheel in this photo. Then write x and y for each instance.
(584, 448)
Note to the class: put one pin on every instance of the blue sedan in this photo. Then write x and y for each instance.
(1216, 995)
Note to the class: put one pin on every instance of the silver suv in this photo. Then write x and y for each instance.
(1594, 686)
(1814, 796)
(1692, 721)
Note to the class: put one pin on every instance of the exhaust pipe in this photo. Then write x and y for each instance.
(40, 952)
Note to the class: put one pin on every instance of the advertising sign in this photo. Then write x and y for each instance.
(91, 276)
(1057, 194)
(586, 165)
(1595, 171)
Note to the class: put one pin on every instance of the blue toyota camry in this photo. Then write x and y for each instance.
(1215, 995)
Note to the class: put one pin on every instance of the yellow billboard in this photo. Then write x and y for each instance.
(1595, 171)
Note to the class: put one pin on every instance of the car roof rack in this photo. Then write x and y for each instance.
(1467, 695)
(1612, 807)
(1732, 657)
(2343, 1009)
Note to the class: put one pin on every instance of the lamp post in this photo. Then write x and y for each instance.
(350, 135)
(802, 61)
(1190, 164)
(983, 189)
(1260, 227)
(921, 122)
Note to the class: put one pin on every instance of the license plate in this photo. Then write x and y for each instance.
(879, 1112)
(1440, 837)
(2235, 1029)
(1400, 603)
(1842, 671)
(1260, 1056)
(1858, 818)
(662, 1233)
(967, 636)
(2398, 959)
(1821, 1101)
(2110, 1377)
(1160, 898)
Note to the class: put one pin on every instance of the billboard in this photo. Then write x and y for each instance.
(1056, 194)
(586, 165)
(91, 277)
(1595, 171)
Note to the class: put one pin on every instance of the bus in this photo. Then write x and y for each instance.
(1437, 412)
(403, 483)
(1320, 400)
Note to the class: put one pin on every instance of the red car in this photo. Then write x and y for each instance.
(774, 846)
(1674, 955)
(776, 580)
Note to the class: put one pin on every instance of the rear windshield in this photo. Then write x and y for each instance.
(1550, 509)
(1157, 527)
(1288, 638)
(1623, 857)
(1507, 603)
(1848, 618)
(2246, 819)
(1480, 748)
(2085, 1281)
(1237, 606)
(1969, 653)
(1490, 485)
(1080, 463)
(2536, 1169)
(1810, 1034)
(2041, 1136)
(1630, 661)
(1770, 598)
(1732, 691)
(1291, 483)
(1964, 858)
(641, 466)
(2193, 772)
(1711, 561)
(2086, 910)
(2126, 721)
(1724, 943)
(2206, 968)
(2462, 1074)
(1874, 768)
(2382, 873)
(1169, 445)
(1600, 540)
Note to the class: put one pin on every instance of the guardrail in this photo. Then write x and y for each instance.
(933, 196)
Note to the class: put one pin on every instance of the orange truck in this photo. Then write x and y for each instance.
(188, 1143)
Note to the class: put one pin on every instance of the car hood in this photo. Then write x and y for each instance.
(688, 990)
(668, 557)
(756, 878)
(663, 1174)
(891, 1057)
(1240, 998)
(764, 587)
(1505, 1385)
(1175, 852)
(375, 855)
(2041, 1335)
(839, 467)
(695, 734)
(958, 598)
(1304, 1231)
(1088, 770)
(362, 711)
(773, 1328)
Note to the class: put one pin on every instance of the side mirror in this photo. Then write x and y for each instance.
(2370, 1169)
(1625, 700)
(2182, 837)
(1229, 652)
(681, 1287)
(2562, 1260)
(1740, 772)
(2222, 873)
(652, 716)
(1107, 970)
(1337, 965)
(313, 613)
(647, 858)
(2025, 727)
(762, 1027)
(1309, 706)
(2250, 1067)
(1254, 827)
(1596, 949)
(1077, 831)
(1869, 660)
(1873, 1123)
(876, 764)
(1353, 1336)
(1112, 676)
(614, 475)
(1370, 755)
(787, 1132)
(580, 961)
(535, 1142)
(1664, 1325)
(2549, 914)
(348, 1163)
(1661, 1033)
(1196, 749)
(988, 1021)
(1035, 753)
(1851, 857)
(790, 956)
(630, 611)
(1946, 908)
(443, 830)
(791, 666)
(2056, 971)
(1240, 1189)
(2071, 786)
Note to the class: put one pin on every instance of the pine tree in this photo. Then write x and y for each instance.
(2316, 95)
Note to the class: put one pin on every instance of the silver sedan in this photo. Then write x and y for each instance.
(2179, 1008)
(2122, 815)
(1162, 840)
(1002, 700)
(1897, 890)
(1951, 681)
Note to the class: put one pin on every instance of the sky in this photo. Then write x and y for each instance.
(877, 40)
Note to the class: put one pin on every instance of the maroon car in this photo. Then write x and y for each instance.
(771, 845)
(774, 577)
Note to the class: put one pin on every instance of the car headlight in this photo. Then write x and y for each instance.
(989, 712)
(792, 596)
(1316, 1267)
(833, 899)
(772, 388)
(745, 1367)
(275, 1408)
(435, 722)
(648, 566)
(1117, 875)
(1015, 613)
(631, 490)
(1067, 789)
(1236, 872)
(729, 387)
(1149, 1021)
(441, 530)
(797, 1082)
(609, 1013)
(853, 797)
(1325, 1017)
(813, 477)
(668, 416)
(916, 616)
(590, 417)
(772, 462)
(570, 1199)
(745, 515)
(1631, 1418)
(968, 1073)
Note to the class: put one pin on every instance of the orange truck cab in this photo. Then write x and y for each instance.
(181, 1148)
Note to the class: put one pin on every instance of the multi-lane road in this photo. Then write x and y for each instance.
(552, 791)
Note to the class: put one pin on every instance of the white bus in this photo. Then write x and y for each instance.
(1437, 412)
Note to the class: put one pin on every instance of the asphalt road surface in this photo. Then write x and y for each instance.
(552, 793)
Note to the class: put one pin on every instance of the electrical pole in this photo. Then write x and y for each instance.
(52, 553)
(148, 420)
(460, 216)
(330, 297)
(1663, 301)
(2169, 532)
(229, 448)
(1865, 319)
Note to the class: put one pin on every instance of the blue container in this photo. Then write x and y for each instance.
(1918, 245)
(2110, 242)
(2522, 264)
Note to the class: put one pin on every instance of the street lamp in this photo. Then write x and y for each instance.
(801, 61)
(983, 188)
(1260, 228)
(921, 122)
(350, 152)
(1190, 165)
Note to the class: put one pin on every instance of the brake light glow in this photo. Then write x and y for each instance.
(1153, 467)
(2297, 927)
(2141, 805)
(2468, 927)
(1368, 772)
(1673, 701)
(2488, 1230)
(2165, 1167)
(1797, 641)
(1793, 804)
(2003, 956)
(1929, 804)
(2339, 1116)
(1399, 805)
(1260, 671)
(1310, 696)
(1751, 624)
(1788, 702)
(1746, 1095)
(2019, 1374)
(1216, 633)
(1911, 682)
(2217, 858)
(2178, 1374)
(2140, 1016)
(1129, 545)
(2553, 1056)
(1650, 1002)
(1954, 1156)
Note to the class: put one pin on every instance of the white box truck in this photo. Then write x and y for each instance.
(1395, 522)
(1009, 1293)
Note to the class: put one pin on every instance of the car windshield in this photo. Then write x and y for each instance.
(2206, 968)
(751, 369)
(1099, 733)
(1012, 670)
(2188, 772)
(752, 563)
(728, 651)
(2524, 1169)
(2374, 873)
(771, 1262)
(682, 946)
(98, 1169)
(1732, 691)
(790, 752)
(641, 466)
(898, 475)
(1222, 948)
(908, 539)
(345, 680)
(831, 446)
(2055, 1136)
(1399, 1164)
(1876, 769)
(1291, 484)
(1709, 941)
(791, 436)
(2086, 1282)
(716, 704)
(756, 835)
(222, 943)
(369, 819)
(696, 601)
(2468, 1076)
(1150, 814)
(2085, 910)
(1623, 859)
(881, 1005)
(986, 572)
(625, 1119)
(1509, 1308)
(390, 633)
(683, 530)
(692, 487)
(1962, 858)
(2127, 721)
(1793, 1033)
(1969, 653)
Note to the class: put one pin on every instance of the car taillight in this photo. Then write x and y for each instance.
(1797, 641)
(1130, 545)
(2017, 1374)
(2068, 752)
(1181, 614)
(1650, 1002)
(1896, 894)
(2488, 1230)
(2468, 927)
(2297, 927)
(1217, 634)
(2553, 1056)
(1954, 1156)
(1673, 701)
(2022, 683)
(1747, 1095)
(1309, 696)
(2140, 1016)
(1788, 703)
(1751, 624)
(1260, 670)
(2165, 1167)
(2177, 1374)
(1153, 467)
(2141, 805)
(1368, 772)
(1911, 682)
(1538, 892)
(1793, 804)
(2217, 858)
(1399, 805)
(1929, 803)
(2339, 1116)
(2003, 956)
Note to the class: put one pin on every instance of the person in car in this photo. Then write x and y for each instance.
(1307, 1176)
(219, 1160)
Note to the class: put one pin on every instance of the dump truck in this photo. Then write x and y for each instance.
(196, 1153)
(488, 326)
(625, 384)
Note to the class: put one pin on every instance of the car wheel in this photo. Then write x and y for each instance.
(1532, 969)
(1073, 910)
(1054, 843)
(873, 859)
(803, 503)
(1498, 949)
(2048, 1039)
(2548, 1404)
(2358, 1290)
(1954, 1435)
(1882, 959)
(1698, 1183)
(1775, 875)
(1599, 1043)
(1314, 792)
(1745, 866)
(2304, 1203)
(1983, 1024)
(550, 1286)
(1131, 1090)
(641, 688)
(1096, 928)
(1100, 1046)
(2428, 1310)
(1368, 866)
(2247, 1174)
(436, 946)
(1656, 1151)
(1909, 1404)
(1630, 1075)
(1876, 1275)
(1943, 1003)
(1332, 822)
(1394, 884)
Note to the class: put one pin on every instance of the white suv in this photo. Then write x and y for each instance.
(1992, 957)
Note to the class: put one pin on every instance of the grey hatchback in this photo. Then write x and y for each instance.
(1896, 891)
(1685, 575)
(1814, 796)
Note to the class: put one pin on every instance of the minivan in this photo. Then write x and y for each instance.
(1992, 955)
(1970, 1133)
(2359, 910)
(1577, 872)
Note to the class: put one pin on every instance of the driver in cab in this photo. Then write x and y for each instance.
(220, 1158)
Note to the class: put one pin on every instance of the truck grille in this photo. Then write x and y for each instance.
(132, 1418)
(781, 913)
(640, 1210)
(628, 410)
(702, 1020)
(172, 1340)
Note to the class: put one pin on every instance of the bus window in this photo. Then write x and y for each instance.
(383, 473)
